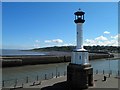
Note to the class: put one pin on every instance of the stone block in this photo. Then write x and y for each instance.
(79, 76)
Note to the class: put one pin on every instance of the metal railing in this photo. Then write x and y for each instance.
(12, 83)
(31, 79)
(109, 72)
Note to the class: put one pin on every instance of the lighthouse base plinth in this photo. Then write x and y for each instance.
(79, 76)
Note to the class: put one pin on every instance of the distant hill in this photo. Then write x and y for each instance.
(111, 49)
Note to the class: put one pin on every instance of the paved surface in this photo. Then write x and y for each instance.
(111, 82)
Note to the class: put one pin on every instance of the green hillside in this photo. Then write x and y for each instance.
(111, 49)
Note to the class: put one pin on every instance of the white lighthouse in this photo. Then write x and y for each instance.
(79, 71)
(80, 55)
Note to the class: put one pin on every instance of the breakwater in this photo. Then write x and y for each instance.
(33, 60)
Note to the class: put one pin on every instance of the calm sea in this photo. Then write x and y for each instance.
(10, 52)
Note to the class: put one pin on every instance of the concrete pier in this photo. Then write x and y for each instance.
(60, 83)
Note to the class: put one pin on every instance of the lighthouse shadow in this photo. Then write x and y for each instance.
(65, 86)
(60, 86)
(57, 86)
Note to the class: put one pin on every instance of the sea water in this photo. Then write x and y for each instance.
(12, 52)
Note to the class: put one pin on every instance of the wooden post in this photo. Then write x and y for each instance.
(118, 73)
(15, 83)
(52, 75)
(45, 76)
(22, 85)
(3, 83)
(103, 72)
(58, 74)
(27, 79)
(37, 78)
(96, 71)
(64, 73)
(111, 72)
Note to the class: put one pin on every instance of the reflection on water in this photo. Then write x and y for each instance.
(105, 64)
(32, 70)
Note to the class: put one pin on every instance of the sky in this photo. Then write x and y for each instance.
(60, 0)
(27, 25)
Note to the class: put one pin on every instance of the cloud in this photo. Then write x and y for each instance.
(37, 41)
(116, 36)
(106, 32)
(103, 41)
(101, 38)
(68, 44)
(36, 46)
(58, 41)
(48, 41)
(54, 41)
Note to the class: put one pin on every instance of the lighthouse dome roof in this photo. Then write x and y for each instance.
(79, 13)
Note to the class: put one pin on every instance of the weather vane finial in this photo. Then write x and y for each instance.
(79, 9)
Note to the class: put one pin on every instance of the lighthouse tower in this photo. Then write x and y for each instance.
(79, 71)
(80, 55)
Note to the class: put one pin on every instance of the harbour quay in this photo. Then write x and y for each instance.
(60, 83)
